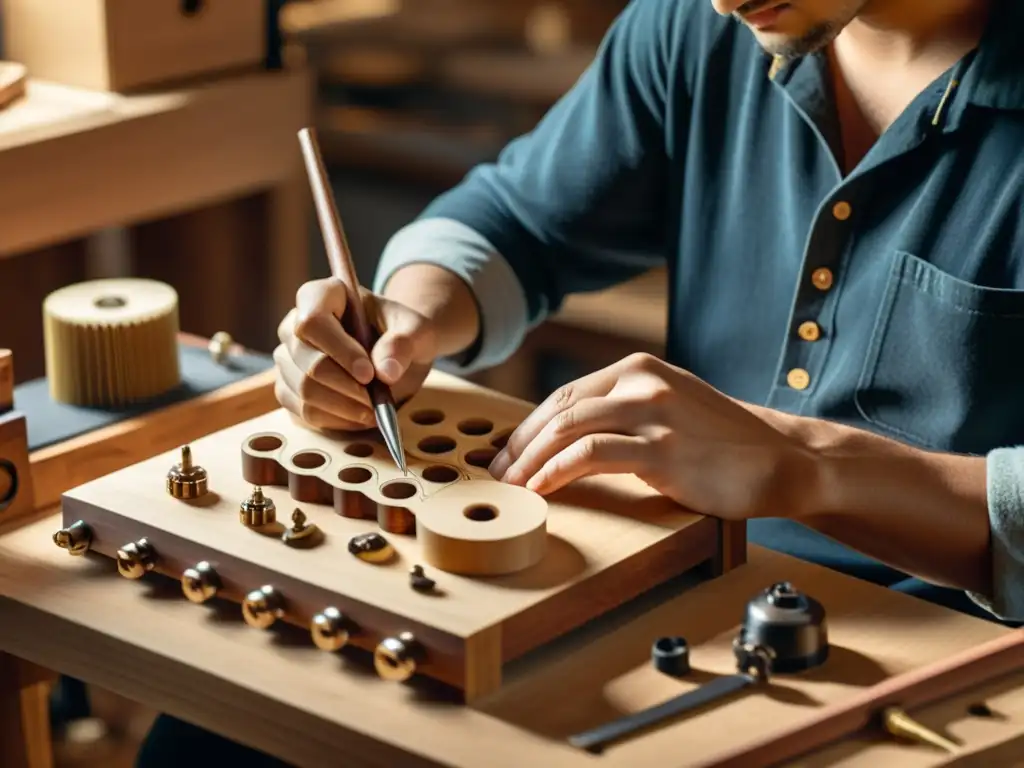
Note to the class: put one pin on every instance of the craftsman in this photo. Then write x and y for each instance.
(842, 219)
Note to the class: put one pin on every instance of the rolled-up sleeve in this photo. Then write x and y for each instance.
(500, 297)
(1005, 473)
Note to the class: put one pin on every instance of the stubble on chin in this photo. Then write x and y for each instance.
(810, 42)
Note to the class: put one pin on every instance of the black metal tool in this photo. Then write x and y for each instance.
(783, 631)
(789, 622)
(753, 665)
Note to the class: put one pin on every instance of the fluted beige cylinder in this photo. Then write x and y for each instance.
(111, 342)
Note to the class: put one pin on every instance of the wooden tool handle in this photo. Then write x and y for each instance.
(338, 253)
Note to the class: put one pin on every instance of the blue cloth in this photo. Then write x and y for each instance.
(684, 144)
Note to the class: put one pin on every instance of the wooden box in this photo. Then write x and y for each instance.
(123, 45)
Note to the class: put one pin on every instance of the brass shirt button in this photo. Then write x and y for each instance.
(842, 210)
(822, 278)
(809, 331)
(798, 378)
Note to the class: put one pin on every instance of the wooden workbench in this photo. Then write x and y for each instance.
(141, 640)
(207, 177)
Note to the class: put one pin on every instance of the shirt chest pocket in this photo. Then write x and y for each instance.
(945, 363)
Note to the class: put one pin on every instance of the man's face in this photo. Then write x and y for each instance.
(792, 28)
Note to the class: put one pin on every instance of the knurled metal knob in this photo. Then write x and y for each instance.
(257, 510)
(186, 480)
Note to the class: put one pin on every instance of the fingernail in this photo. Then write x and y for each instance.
(391, 370)
(499, 465)
(362, 370)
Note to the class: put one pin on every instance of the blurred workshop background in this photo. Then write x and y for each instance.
(157, 139)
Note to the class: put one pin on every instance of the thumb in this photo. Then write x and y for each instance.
(408, 338)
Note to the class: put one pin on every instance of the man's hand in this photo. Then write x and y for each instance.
(682, 437)
(322, 371)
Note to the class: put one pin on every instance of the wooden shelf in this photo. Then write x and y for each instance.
(103, 159)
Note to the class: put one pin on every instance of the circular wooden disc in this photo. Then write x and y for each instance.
(482, 528)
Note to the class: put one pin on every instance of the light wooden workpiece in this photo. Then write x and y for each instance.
(549, 564)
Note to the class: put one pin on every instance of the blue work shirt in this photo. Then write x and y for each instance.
(891, 298)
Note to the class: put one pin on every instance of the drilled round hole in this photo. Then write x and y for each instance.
(501, 440)
(355, 475)
(309, 460)
(362, 450)
(110, 302)
(440, 474)
(436, 444)
(399, 490)
(191, 7)
(427, 417)
(265, 443)
(475, 426)
(481, 457)
(480, 513)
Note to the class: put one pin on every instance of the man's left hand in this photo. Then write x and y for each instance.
(675, 432)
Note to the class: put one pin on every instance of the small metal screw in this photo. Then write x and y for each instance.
(419, 580)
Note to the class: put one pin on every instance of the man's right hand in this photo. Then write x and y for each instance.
(322, 371)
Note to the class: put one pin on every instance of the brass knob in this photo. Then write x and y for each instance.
(257, 510)
(262, 607)
(302, 532)
(76, 538)
(200, 582)
(330, 630)
(396, 658)
(136, 559)
(185, 480)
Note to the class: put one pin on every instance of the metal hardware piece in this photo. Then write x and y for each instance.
(396, 658)
(76, 538)
(330, 630)
(186, 480)
(220, 346)
(789, 622)
(753, 664)
(419, 581)
(136, 559)
(257, 510)
(671, 656)
(901, 725)
(371, 547)
(262, 607)
(200, 582)
(301, 533)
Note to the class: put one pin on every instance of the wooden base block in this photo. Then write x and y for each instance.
(505, 582)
